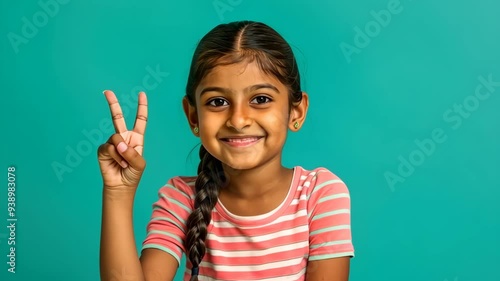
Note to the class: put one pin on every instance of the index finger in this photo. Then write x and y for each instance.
(116, 112)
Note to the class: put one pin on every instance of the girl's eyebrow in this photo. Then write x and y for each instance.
(249, 88)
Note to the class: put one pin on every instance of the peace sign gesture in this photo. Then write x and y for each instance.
(120, 158)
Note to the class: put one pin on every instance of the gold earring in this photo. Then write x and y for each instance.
(196, 130)
(296, 125)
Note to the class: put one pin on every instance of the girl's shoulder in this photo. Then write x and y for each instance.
(183, 185)
(316, 174)
(319, 178)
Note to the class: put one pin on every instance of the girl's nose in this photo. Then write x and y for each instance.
(239, 117)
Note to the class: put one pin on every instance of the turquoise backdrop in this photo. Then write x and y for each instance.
(405, 99)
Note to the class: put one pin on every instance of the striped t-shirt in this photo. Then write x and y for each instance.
(312, 223)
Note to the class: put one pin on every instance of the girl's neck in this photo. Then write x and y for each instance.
(258, 181)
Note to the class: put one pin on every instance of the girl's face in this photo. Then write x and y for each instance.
(243, 115)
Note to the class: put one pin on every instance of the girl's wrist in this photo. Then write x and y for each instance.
(121, 193)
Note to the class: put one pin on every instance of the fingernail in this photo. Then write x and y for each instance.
(124, 164)
(104, 92)
(121, 147)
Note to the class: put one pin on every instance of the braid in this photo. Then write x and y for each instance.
(210, 179)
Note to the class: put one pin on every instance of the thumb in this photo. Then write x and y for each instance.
(131, 156)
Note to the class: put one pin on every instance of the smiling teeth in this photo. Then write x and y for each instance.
(242, 140)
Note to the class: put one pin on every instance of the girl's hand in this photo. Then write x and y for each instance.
(122, 171)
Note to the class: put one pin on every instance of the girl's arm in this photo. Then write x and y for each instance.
(331, 247)
(118, 253)
(121, 168)
(334, 269)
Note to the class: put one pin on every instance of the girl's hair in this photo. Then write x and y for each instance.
(228, 44)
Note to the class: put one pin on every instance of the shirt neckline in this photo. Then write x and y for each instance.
(267, 217)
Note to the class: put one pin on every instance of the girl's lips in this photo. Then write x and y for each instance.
(241, 142)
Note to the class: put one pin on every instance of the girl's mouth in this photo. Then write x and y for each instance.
(241, 141)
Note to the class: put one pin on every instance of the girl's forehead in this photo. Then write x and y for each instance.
(238, 75)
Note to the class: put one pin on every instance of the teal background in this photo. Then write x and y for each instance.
(441, 223)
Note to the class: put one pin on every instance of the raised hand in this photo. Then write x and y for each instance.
(120, 158)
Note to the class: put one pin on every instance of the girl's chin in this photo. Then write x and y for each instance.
(240, 164)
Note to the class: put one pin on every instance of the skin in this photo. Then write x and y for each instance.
(255, 172)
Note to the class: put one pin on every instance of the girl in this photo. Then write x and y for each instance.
(244, 216)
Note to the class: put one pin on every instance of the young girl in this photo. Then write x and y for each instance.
(244, 216)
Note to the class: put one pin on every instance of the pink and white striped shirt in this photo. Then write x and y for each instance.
(312, 223)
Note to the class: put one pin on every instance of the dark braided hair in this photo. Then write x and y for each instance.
(210, 179)
(228, 44)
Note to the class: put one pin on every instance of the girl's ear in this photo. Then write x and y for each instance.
(298, 113)
(191, 114)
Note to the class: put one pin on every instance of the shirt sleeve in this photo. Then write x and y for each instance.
(329, 210)
(167, 228)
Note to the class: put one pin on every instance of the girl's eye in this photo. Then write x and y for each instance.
(217, 102)
(261, 99)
